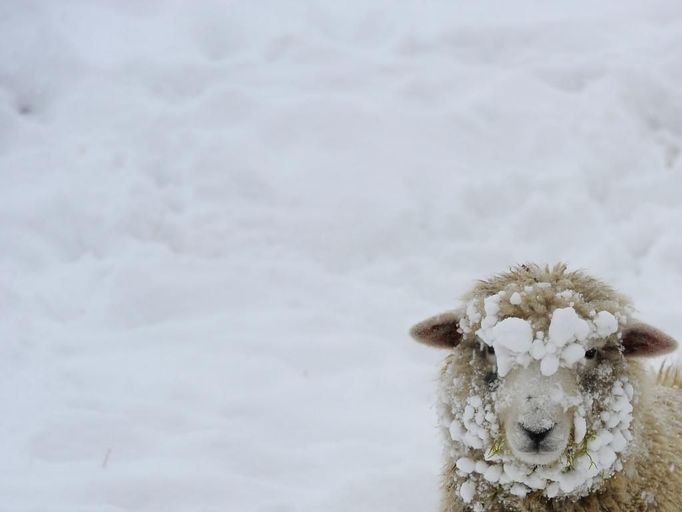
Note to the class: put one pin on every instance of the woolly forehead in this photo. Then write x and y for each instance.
(537, 323)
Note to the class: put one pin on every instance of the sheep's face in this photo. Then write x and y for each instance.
(535, 394)
(536, 413)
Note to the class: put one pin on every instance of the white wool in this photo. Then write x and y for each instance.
(515, 298)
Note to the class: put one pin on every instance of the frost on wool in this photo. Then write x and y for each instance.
(471, 425)
(516, 343)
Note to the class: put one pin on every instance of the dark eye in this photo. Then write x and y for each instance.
(490, 349)
(591, 353)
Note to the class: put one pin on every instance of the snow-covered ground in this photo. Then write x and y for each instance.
(219, 219)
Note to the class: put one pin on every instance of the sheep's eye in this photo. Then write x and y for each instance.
(490, 349)
(591, 353)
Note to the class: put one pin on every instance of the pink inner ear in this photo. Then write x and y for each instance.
(640, 339)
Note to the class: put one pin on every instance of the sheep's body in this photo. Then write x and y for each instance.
(646, 476)
(651, 479)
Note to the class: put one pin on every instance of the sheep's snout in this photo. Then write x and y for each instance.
(536, 414)
(536, 435)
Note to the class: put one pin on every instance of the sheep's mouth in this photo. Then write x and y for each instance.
(539, 449)
(542, 454)
(539, 456)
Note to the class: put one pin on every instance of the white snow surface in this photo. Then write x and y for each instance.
(219, 219)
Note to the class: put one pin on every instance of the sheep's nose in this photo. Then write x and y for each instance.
(536, 434)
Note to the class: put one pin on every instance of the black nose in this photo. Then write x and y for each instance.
(536, 435)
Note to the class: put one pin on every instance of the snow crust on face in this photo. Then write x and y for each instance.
(605, 323)
(472, 427)
(567, 326)
(515, 342)
(512, 339)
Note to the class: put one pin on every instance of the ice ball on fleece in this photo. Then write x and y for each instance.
(573, 353)
(606, 323)
(514, 334)
(549, 365)
(465, 464)
(538, 350)
(467, 491)
(579, 428)
(607, 456)
(493, 473)
(567, 326)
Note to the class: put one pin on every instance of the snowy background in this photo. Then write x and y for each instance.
(219, 219)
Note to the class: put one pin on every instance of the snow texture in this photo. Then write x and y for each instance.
(474, 425)
(516, 343)
(219, 219)
(567, 326)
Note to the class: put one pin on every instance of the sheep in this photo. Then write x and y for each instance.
(544, 404)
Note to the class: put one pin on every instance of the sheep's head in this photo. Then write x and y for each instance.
(536, 394)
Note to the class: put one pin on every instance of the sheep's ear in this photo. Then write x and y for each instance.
(642, 340)
(438, 331)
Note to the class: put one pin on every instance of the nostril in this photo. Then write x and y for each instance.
(536, 434)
